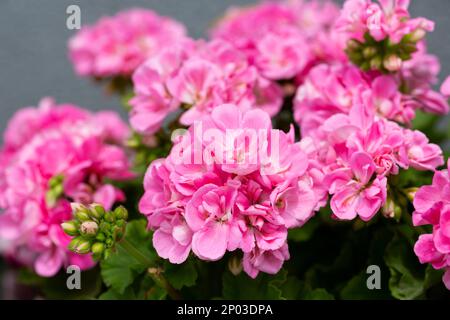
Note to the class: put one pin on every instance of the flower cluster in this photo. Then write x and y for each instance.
(197, 76)
(232, 183)
(116, 46)
(329, 89)
(222, 190)
(432, 205)
(345, 118)
(95, 230)
(381, 35)
(388, 19)
(271, 34)
(53, 154)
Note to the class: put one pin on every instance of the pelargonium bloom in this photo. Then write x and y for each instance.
(231, 182)
(388, 19)
(116, 46)
(359, 151)
(330, 89)
(290, 35)
(432, 207)
(52, 155)
(197, 76)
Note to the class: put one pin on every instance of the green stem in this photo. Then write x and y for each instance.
(135, 253)
(157, 277)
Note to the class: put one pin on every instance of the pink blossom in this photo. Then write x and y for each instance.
(213, 206)
(197, 76)
(116, 46)
(290, 37)
(433, 207)
(417, 77)
(269, 261)
(388, 19)
(71, 147)
(356, 192)
(445, 87)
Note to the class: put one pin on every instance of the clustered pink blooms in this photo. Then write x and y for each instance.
(235, 197)
(232, 182)
(271, 34)
(346, 118)
(56, 144)
(197, 76)
(432, 207)
(386, 19)
(116, 46)
(329, 89)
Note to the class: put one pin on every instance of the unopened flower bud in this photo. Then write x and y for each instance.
(121, 213)
(417, 35)
(369, 52)
(109, 217)
(70, 228)
(89, 228)
(411, 193)
(392, 63)
(235, 265)
(97, 249)
(80, 212)
(353, 44)
(73, 244)
(100, 237)
(97, 211)
(376, 63)
(388, 209)
(83, 247)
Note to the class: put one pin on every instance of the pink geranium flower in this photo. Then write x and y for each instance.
(386, 19)
(116, 46)
(231, 201)
(432, 204)
(71, 148)
(357, 192)
(197, 76)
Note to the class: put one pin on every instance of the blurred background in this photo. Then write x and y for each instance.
(34, 63)
(33, 37)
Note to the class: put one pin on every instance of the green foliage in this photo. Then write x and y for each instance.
(243, 287)
(121, 269)
(183, 275)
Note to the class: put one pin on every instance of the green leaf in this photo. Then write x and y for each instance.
(432, 277)
(243, 287)
(112, 294)
(181, 275)
(56, 287)
(120, 269)
(407, 280)
(356, 289)
(318, 294)
(292, 288)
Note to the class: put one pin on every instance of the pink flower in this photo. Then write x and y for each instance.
(68, 156)
(356, 192)
(266, 261)
(432, 204)
(290, 37)
(278, 55)
(388, 19)
(421, 154)
(116, 46)
(197, 76)
(228, 200)
(172, 240)
(445, 87)
(210, 215)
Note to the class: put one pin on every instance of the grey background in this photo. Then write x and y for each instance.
(33, 35)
